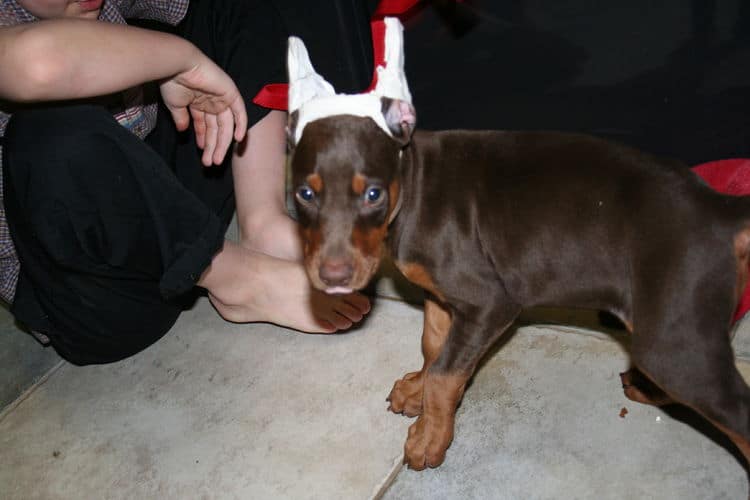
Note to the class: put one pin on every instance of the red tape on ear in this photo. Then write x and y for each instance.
(730, 176)
(377, 27)
(275, 95)
(393, 8)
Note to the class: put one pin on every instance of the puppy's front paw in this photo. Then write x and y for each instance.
(406, 395)
(427, 443)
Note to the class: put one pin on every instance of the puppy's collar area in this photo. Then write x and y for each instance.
(396, 209)
(399, 200)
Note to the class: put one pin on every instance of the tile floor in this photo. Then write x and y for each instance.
(219, 410)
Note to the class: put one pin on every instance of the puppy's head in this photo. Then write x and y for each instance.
(345, 180)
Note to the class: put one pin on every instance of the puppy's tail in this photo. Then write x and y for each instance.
(732, 177)
(740, 206)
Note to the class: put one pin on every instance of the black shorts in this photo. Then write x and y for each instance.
(108, 237)
(249, 40)
(112, 232)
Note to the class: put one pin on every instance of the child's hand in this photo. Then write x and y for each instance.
(215, 104)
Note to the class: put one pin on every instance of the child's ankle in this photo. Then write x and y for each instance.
(273, 233)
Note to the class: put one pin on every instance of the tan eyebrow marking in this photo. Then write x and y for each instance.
(315, 181)
(359, 183)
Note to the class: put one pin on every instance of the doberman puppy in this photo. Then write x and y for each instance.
(490, 222)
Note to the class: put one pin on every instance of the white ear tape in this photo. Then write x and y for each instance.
(304, 83)
(314, 98)
(392, 77)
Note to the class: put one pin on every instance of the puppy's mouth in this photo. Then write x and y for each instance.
(340, 277)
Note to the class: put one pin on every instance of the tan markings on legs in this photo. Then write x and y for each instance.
(437, 323)
(417, 274)
(742, 444)
(639, 388)
(432, 433)
(406, 395)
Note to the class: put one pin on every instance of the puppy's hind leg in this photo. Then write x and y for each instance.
(697, 369)
(639, 388)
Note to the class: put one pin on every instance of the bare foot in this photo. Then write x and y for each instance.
(249, 286)
(272, 233)
(264, 279)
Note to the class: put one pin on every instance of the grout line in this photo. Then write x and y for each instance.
(25, 394)
(380, 489)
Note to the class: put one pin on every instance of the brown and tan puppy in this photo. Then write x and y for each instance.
(489, 223)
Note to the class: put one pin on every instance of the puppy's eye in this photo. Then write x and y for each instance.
(373, 195)
(305, 194)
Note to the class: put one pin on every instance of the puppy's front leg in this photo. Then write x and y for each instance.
(431, 435)
(445, 380)
(406, 395)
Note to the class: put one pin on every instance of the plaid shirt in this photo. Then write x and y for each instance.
(130, 112)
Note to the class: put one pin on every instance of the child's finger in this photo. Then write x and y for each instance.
(239, 112)
(224, 136)
(199, 124)
(212, 129)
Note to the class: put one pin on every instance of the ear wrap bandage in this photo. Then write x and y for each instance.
(313, 98)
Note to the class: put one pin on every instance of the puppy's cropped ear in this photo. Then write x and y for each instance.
(400, 117)
(291, 129)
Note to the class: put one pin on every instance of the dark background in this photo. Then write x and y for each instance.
(671, 77)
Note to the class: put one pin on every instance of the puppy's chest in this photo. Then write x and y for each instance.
(420, 275)
(441, 263)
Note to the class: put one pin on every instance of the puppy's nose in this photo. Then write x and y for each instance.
(336, 271)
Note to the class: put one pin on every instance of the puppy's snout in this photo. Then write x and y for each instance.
(336, 271)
